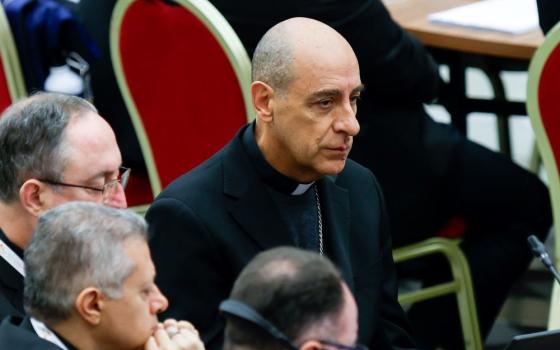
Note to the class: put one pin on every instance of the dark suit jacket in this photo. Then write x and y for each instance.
(211, 221)
(16, 333)
(549, 13)
(11, 289)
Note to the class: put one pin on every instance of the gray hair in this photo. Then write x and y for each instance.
(272, 60)
(31, 139)
(77, 245)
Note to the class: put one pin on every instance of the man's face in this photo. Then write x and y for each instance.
(128, 322)
(93, 159)
(314, 120)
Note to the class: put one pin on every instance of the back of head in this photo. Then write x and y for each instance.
(77, 245)
(31, 139)
(297, 291)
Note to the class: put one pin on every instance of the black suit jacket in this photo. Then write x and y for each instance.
(11, 289)
(549, 13)
(16, 333)
(211, 221)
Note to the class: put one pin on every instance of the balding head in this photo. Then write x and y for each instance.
(290, 42)
(300, 292)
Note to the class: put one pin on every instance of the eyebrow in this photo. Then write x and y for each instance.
(360, 88)
(334, 92)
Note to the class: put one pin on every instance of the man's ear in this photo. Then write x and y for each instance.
(310, 345)
(90, 304)
(32, 196)
(263, 97)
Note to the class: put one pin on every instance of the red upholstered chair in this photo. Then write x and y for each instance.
(185, 78)
(543, 107)
(12, 87)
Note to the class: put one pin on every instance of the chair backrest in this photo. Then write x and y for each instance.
(185, 78)
(543, 107)
(12, 87)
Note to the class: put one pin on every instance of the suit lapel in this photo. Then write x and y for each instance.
(252, 207)
(9, 276)
(335, 205)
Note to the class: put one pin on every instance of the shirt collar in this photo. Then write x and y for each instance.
(270, 176)
(9, 243)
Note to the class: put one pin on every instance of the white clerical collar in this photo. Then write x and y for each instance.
(302, 188)
(11, 258)
(45, 333)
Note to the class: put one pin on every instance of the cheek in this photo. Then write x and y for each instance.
(139, 324)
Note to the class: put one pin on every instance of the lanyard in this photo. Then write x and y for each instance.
(44, 333)
(11, 258)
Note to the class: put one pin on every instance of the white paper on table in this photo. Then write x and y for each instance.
(506, 16)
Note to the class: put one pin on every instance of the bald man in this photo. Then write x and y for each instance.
(283, 180)
(54, 149)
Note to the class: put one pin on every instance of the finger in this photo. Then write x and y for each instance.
(188, 340)
(151, 344)
(170, 322)
(163, 340)
(186, 325)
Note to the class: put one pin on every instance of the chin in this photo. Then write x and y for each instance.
(334, 168)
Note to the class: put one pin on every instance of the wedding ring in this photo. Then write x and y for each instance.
(172, 331)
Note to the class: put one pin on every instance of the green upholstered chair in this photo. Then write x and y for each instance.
(543, 107)
(460, 284)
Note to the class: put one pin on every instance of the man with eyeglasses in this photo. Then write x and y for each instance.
(302, 303)
(53, 149)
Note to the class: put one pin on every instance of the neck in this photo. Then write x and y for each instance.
(17, 224)
(275, 155)
(74, 332)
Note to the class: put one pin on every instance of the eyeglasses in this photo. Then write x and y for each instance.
(108, 190)
(247, 313)
(342, 346)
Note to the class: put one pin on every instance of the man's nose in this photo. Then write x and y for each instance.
(347, 122)
(159, 303)
(117, 199)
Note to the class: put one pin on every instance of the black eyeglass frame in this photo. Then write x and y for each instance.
(242, 310)
(124, 174)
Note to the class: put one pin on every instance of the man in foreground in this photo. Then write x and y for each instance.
(301, 295)
(53, 148)
(89, 284)
(283, 180)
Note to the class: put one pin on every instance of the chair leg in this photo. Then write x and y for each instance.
(466, 301)
(461, 284)
(554, 316)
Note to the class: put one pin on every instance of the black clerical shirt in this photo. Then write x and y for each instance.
(297, 203)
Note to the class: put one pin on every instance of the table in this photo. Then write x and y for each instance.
(460, 48)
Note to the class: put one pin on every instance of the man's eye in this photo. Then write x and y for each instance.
(355, 99)
(325, 103)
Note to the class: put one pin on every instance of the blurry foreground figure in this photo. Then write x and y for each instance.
(89, 284)
(302, 303)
